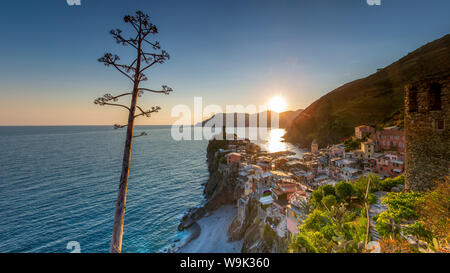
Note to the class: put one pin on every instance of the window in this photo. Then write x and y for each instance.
(412, 100)
(439, 124)
(434, 97)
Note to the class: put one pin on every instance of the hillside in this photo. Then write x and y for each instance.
(376, 100)
(285, 118)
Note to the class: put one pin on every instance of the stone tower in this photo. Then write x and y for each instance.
(427, 132)
(314, 147)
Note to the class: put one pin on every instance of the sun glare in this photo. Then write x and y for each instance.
(277, 104)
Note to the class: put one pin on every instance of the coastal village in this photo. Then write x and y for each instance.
(283, 182)
(274, 193)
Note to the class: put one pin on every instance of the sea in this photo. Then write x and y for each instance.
(58, 187)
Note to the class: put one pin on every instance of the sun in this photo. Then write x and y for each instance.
(277, 104)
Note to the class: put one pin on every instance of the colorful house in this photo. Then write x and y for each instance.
(233, 157)
(390, 139)
(391, 165)
(337, 150)
(363, 130)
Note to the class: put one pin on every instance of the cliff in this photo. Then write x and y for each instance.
(374, 100)
(256, 238)
(221, 187)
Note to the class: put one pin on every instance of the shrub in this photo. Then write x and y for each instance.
(327, 190)
(395, 245)
(344, 190)
(401, 207)
(388, 183)
(434, 211)
(316, 199)
(351, 144)
(372, 198)
(301, 243)
(419, 230)
(316, 220)
(329, 201)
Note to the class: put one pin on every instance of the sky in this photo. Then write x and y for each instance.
(227, 52)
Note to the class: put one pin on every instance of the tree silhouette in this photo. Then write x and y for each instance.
(142, 30)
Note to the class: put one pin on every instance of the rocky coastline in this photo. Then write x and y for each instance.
(220, 189)
(223, 189)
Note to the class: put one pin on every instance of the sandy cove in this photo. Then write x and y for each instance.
(213, 233)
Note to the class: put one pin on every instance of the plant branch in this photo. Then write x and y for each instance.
(165, 90)
(147, 113)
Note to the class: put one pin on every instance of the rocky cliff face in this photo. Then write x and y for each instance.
(251, 231)
(221, 187)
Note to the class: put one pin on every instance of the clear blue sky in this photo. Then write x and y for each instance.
(228, 52)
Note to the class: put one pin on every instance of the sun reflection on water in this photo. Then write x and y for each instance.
(276, 143)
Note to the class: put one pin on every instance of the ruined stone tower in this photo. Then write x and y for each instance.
(427, 132)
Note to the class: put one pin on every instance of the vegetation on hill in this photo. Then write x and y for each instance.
(337, 221)
(416, 222)
(376, 100)
(353, 143)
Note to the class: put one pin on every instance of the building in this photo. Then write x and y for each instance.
(233, 157)
(390, 139)
(242, 207)
(337, 150)
(296, 211)
(348, 173)
(387, 165)
(314, 147)
(427, 122)
(364, 130)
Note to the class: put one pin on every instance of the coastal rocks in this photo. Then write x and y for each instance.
(221, 188)
(191, 216)
(256, 241)
(253, 241)
(238, 228)
(251, 231)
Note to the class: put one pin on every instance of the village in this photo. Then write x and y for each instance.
(282, 182)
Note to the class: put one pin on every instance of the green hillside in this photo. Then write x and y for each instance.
(375, 100)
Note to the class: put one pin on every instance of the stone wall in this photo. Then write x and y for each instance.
(427, 131)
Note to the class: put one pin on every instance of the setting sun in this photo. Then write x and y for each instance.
(277, 104)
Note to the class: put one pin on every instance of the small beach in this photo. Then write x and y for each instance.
(213, 233)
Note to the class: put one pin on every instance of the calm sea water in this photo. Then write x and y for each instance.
(59, 184)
